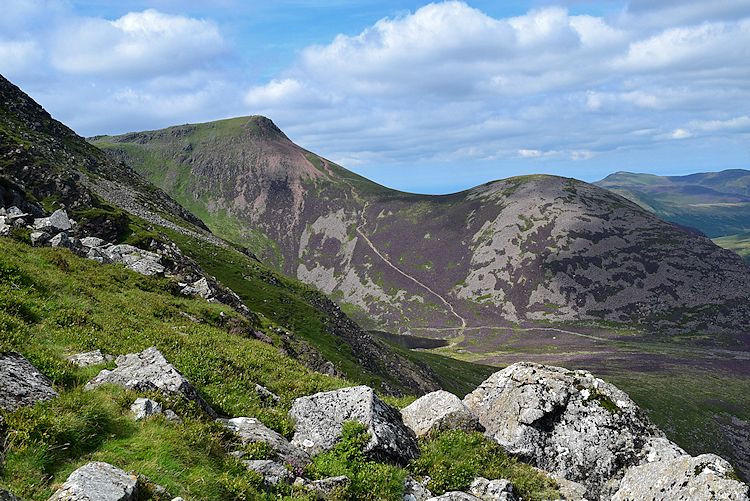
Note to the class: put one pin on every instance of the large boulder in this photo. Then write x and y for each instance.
(250, 430)
(319, 419)
(55, 223)
(21, 384)
(568, 423)
(150, 371)
(439, 411)
(703, 478)
(98, 481)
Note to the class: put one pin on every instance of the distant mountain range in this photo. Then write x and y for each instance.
(531, 249)
(716, 203)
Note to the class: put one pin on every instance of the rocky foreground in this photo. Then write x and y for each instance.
(583, 432)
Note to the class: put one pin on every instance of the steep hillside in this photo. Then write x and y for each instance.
(526, 250)
(716, 203)
(44, 166)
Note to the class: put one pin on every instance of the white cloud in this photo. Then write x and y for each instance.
(139, 44)
(680, 134)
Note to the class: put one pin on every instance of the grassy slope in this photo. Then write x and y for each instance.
(739, 243)
(53, 303)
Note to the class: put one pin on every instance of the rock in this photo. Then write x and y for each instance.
(266, 395)
(89, 358)
(439, 411)
(149, 371)
(97, 481)
(324, 488)
(63, 240)
(200, 288)
(147, 267)
(492, 490)
(138, 260)
(14, 215)
(98, 255)
(8, 496)
(273, 472)
(250, 430)
(703, 478)
(170, 416)
(92, 242)
(319, 418)
(414, 491)
(455, 496)
(55, 223)
(39, 238)
(144, 408)
(5, 230)
(21, 384)
(568, 423)
(570, 490)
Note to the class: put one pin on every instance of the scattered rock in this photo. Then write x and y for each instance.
(97, 481)
(455, 496)
(39, 238)
(149, 371)
(21, 384)
(439, 411)
(143, 408)
(92, 242)
(250, 430)
(266, 395)
(324, 488)
(320, 417)
(55, 223)
(492, 490)
(415, 491)
(273, 472)
(89, 358)
(566, 422)
(703, 478)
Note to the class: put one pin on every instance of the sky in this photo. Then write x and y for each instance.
(424, 97)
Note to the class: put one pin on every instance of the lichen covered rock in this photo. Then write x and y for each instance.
(98, 481)
(21, 384)
(439, 411)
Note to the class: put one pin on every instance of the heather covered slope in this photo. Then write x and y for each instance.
(44, 166)
(532, 249)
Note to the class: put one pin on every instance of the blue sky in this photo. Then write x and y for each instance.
(426, 97)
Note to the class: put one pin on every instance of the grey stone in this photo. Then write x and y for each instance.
(149, 371)
(8, 496)
(143, 408)
(92, 242)
(455, 496)
(55, 223)
(266, 395)
(200, 287)
(273, 472)
(147, 267)
(569, 423)
(570, 490)
(492, 490)
(703, 478)
(415, 491)
(97, 481)
(13, 214)
(319, 419)
(250, 430)
(139, 260)
(98, 255)
(4, 230)
(39, 238)
(172, 417)
(65, 241)
(439, 411)
(324, 488)
(89, 358)
(21, 384)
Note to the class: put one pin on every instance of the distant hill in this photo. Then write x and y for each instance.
(716, 203)
(531, 249)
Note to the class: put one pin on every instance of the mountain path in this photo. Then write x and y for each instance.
(522, 329)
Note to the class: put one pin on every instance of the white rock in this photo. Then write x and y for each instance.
(92, 242)
(439, 411)
(492, 490)
(143, 408)
(89, 358)
(455, 496)
(97, 481)
(57, 222)
(414, 491)
(250, 430)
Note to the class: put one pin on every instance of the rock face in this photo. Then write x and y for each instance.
(21, 384)
(319, 418)
(97, 482)
(702, 478)
(568, 423)
(250, 430)
(439, 411)
(492, 490)
(150, 371)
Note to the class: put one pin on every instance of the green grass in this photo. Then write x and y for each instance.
(739, 243)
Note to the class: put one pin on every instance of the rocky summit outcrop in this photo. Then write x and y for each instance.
(439, 411)
(21, 383)
(150, 371)
(703, 478)
(568, 423)
(98, 481)
(319, 419)
(250, 430)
